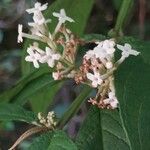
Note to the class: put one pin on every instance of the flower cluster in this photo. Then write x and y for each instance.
(60, 52)
(60, 38)
(97, 71)
(49, 121)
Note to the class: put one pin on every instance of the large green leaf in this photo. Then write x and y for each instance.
(9, 112)
(102, 130)
(133, 91)
(133, 85)
(55, 140)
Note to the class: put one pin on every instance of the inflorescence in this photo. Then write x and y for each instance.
(60, 52)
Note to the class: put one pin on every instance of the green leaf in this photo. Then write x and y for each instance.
(43, 98)
(76, 9)
(9, 94)
(102, 130)
(9, 112)
(55, 140)
(133, 86)
(34, 86)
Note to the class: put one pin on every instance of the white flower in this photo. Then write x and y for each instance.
(104, 50)
(112, 100)
(33, 57)
(95, 78)
(105, 47)
(62, 16)
(39, 18)
(89, 55)
(50, 57)
(20, 33)
(37, 8)
(100, 52)
(108, 45)
(37, 14)
(127, 50)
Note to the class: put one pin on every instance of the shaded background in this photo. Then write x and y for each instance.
(101, 20)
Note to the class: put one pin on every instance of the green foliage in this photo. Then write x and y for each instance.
(35, 86)
(133, 86)
(9, 94)
(9, 112)
(44, 97)
(56, 140)
(102, 130)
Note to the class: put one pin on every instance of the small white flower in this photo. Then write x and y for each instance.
(39, 18)
(95, 79)
(100, 52)
(37, 14)
(33, 57)
(38, 7)
(112, 100)
(104, 50)
(108, 45)
(62, 16)
(20, 33)
(89, 55)
(127, 50)
(50, 57)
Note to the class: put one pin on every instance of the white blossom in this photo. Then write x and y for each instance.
(108, 45)
(89, 54)
(33, 57)
(39, 18)
(127, 50)
(95, 79)
(104, 49)
(50, 57)
(38, 7)
(111, 100)
(62, 16)
(20, 33)
(37, 13)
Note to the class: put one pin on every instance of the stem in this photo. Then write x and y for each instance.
(122, 17)
(27, 134)
(72, 110)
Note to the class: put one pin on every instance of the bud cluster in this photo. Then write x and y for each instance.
(49, 121)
